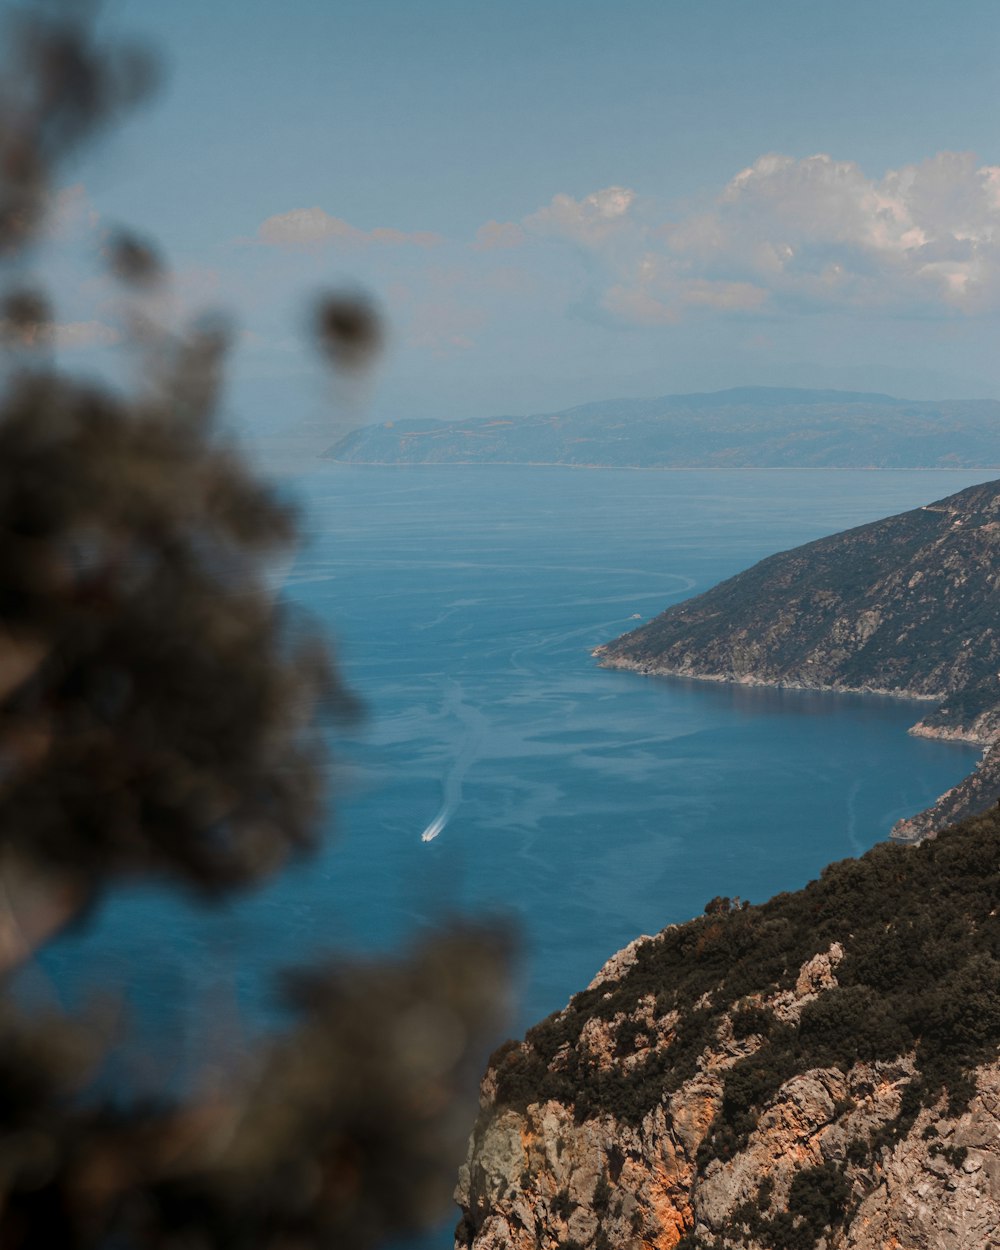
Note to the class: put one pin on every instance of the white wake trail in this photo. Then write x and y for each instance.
(436, 825)
(473, 727)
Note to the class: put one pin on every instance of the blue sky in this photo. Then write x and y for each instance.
(557, 202)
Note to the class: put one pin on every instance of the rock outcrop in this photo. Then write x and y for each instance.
(537, 1180)
(906, 606)
(822, 1093)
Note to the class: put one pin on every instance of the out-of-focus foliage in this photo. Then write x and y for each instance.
(156, 702)
(65, 89)
(161, 711)
(348, 329)
(158, 709)
(346, 1131)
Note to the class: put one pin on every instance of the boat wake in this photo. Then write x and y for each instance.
(436, 825)
(473, 724)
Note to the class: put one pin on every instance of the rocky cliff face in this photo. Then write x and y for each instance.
(833, 1100)
(906, 606)
(538, 1179)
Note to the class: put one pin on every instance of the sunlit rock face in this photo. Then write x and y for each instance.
(770, 1078)
(537, 1178)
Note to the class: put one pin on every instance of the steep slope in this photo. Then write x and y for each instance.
(758, 427)
(906, 606)
(820, 1071)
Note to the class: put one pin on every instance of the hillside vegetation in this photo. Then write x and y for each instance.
(906, 606)
(768, 1076)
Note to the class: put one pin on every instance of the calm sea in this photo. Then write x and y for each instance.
(590, 806)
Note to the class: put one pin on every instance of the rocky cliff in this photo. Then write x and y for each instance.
(906, 606)
(821, 1071)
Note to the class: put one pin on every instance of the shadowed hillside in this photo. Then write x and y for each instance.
(904, 606)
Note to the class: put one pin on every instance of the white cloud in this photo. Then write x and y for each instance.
(820, 232)
(312, 227)
(796, 235)
(785, 237)
(499, 234)
(665, 298)
(590, 221)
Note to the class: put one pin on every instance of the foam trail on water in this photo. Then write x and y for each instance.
(473, 725)
(436, 825)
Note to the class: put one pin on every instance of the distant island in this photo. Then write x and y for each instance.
(906, 606)
(745, 428)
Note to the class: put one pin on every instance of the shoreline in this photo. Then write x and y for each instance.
(918, 730)
(957, 802)
(731, 679)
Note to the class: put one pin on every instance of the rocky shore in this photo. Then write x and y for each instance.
(977, 792)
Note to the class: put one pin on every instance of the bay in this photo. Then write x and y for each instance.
(589, 806)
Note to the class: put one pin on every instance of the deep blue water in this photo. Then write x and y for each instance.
(589, 805)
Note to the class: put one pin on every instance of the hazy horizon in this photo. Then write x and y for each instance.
(554, 205)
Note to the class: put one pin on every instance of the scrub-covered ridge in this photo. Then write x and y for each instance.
(818, 1071)
(906, 606)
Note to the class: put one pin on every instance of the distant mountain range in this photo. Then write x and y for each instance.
(907, 606)
(748, 427)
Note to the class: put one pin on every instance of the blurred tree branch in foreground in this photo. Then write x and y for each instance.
(161, 713)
